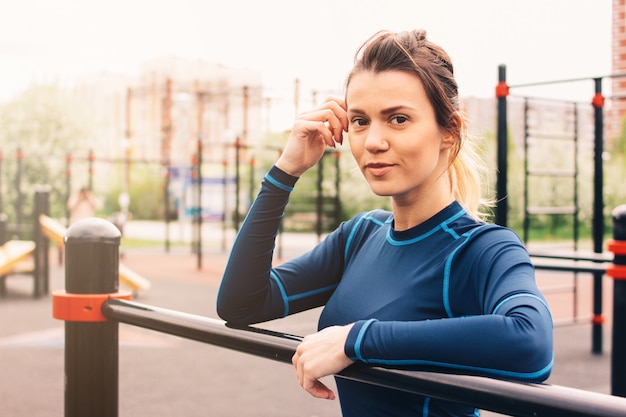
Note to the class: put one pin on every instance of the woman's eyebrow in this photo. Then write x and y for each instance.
(393, 109)
(355, 111)
(387, 111)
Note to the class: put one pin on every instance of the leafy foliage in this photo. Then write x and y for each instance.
(43, 123)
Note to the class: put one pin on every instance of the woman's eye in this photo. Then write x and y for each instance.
(359, 121)
(399, 119)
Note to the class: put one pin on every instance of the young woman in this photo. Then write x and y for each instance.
(428, 284)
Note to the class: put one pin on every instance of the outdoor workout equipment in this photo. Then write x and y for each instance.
(597, 101)
(92, 369)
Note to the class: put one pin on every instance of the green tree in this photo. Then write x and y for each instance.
(44, 122)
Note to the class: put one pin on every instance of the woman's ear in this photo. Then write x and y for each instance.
(452, 134)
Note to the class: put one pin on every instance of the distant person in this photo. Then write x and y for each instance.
(82, 205)
(429, 284)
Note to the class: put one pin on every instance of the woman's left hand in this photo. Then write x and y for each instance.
(319, 355)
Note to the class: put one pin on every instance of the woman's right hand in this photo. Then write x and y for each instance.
(311, 133)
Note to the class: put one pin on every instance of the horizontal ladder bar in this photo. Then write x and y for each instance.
(500, 396)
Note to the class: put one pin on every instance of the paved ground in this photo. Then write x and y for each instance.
(163, 375)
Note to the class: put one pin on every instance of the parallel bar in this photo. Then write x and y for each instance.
(566, 80)
(570, 267)
(505, 397)
(590, 257)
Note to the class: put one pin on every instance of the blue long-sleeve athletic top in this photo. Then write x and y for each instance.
(451, 292)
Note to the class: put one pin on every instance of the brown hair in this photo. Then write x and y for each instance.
(412, 52)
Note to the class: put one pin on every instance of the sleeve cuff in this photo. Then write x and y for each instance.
(281, 179)
(354, 342)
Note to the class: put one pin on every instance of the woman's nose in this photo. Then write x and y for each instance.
(376, 140)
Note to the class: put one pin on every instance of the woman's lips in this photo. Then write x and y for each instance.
(378, 169)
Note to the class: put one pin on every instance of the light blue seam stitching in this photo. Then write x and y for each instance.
(356, 228)
(526, 376)
(359, 339)
(441, 225)
(283, 293)
(311, 293)
(278, 183)
(446, 273)
(449, 231)
(495, 310)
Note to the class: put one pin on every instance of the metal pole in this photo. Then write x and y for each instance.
(337, 208)
(502, 91)
(492, 394)
(200, 128)
(41, 256)
(91, 347)
(618, 349)
(319, 200)
(598, 215)
(237, 183)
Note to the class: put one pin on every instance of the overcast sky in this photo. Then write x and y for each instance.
(314, 40)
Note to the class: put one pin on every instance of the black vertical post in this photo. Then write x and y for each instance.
(91, 348)
(41, 206)
(237, 182)
(166, 203)
(502, 91)
(598, 215)
(251, 183)
(225, 201)
(618, 349)
(199, 191)
(319, 201)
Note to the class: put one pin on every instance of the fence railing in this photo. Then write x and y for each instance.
(92, 306)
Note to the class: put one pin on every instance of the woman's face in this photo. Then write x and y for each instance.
(394, 136)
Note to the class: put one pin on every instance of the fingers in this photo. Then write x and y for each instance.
(321, 354)
(319, 390)
(309, 383)
(333, 118)
(312, 132)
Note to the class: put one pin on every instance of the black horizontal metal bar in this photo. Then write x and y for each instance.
(566, 80)
(571, 267)
(500, 396)
(258, 342)
(574, 257)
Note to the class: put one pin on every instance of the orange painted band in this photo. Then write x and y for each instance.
(502, 90)
(597, 319)
(598, 100)
(617, 247)
(616, 271)
(82, 307)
